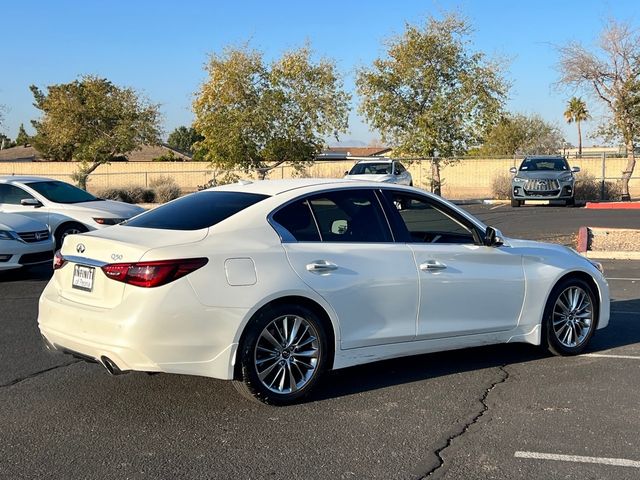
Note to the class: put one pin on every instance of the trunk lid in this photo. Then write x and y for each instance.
(81, 279)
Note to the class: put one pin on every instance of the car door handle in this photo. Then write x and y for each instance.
(432, 265)
(321, 266)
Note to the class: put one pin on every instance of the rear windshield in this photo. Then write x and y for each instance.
(383, 168)
(196, 211)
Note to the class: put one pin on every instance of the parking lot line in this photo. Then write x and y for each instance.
(610, 355)
(616, 462)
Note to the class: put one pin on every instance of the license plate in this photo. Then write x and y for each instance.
(83, 277)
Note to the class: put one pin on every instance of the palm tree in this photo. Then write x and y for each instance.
(577, 112)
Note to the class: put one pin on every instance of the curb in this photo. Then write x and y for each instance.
(583, 240)
(583, 244)
(613, 205)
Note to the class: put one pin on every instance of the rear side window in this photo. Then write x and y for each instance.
(297, 219)
(196, 211)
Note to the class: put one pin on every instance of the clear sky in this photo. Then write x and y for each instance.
(159, 47)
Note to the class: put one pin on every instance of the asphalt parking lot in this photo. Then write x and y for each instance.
(499, 412)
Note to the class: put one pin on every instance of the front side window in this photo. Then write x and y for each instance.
(61, 192)
(12, 195)
(350, 216)
(425, 223)
(196, 211)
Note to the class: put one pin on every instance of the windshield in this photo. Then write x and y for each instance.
(541, 164)
(196, 211)
(61, 192)
(382, 168)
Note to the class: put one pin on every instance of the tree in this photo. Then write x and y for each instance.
(23, 138)
(256, 116)
(5, 142)
(577, 112)
(92, 121)
(518, 134)
(610, 73)
(430, 96)
(183, 138)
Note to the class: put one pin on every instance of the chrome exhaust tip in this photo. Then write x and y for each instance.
(111, 366)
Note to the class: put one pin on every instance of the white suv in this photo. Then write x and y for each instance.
(64, 208)
(380, 170)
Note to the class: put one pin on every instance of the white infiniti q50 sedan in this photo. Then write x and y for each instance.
(272, 283)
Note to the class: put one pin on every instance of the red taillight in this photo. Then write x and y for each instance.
(152, 274)
(58, 260)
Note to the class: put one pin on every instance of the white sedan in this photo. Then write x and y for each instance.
(23, 242)
(64, 208)
(386, 170)
(272, 283)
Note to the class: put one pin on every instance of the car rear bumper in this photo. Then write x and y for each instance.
(146, 332)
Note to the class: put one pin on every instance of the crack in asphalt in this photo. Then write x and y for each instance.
(38, 373)
(466, 426)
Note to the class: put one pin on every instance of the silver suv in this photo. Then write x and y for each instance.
(543, 178)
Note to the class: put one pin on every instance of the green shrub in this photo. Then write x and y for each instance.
(129, 194)
(501, 186)
(165, 188)
(587, 187)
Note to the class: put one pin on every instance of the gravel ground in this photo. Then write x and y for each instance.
(614, 240)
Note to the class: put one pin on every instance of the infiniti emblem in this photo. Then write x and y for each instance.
(80, 248)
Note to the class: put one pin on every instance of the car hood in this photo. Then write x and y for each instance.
(110, 208)
(541, 174)
(537, 246)
(370, 177)
(20, 223)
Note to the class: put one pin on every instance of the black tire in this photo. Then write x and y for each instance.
(515, 203)
(290, 363)
(68, 229)
(553, 334)
(570, 202)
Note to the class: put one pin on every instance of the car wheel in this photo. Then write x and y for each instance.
(515, 203)
(68, 229)
(570, 317)
(282, 356)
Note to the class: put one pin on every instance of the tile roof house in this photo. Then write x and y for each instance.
(145, 154)
(341, 153)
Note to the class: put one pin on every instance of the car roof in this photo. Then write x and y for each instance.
(276, 187)
(23, 179)
(377, 160)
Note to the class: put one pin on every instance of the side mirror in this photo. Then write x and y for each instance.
(513, 170)
(493, 237)
(30, 202)
(575, 169)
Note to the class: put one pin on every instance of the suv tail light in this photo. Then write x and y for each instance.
(152, 274)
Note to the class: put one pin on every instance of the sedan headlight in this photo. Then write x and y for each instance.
(108, 221)
(519, 180)
(8, 235)
(567, 177)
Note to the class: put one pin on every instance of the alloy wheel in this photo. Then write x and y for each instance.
(287, 354)
(572, 317)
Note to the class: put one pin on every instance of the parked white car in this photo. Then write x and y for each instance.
(385, 170)
(64, 208)
(23, 242)
(271, 283)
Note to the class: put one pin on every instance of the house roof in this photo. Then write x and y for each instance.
(145, 154)
(357, 151)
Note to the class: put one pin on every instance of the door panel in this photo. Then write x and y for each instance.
(373, 288)
(468, 289)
